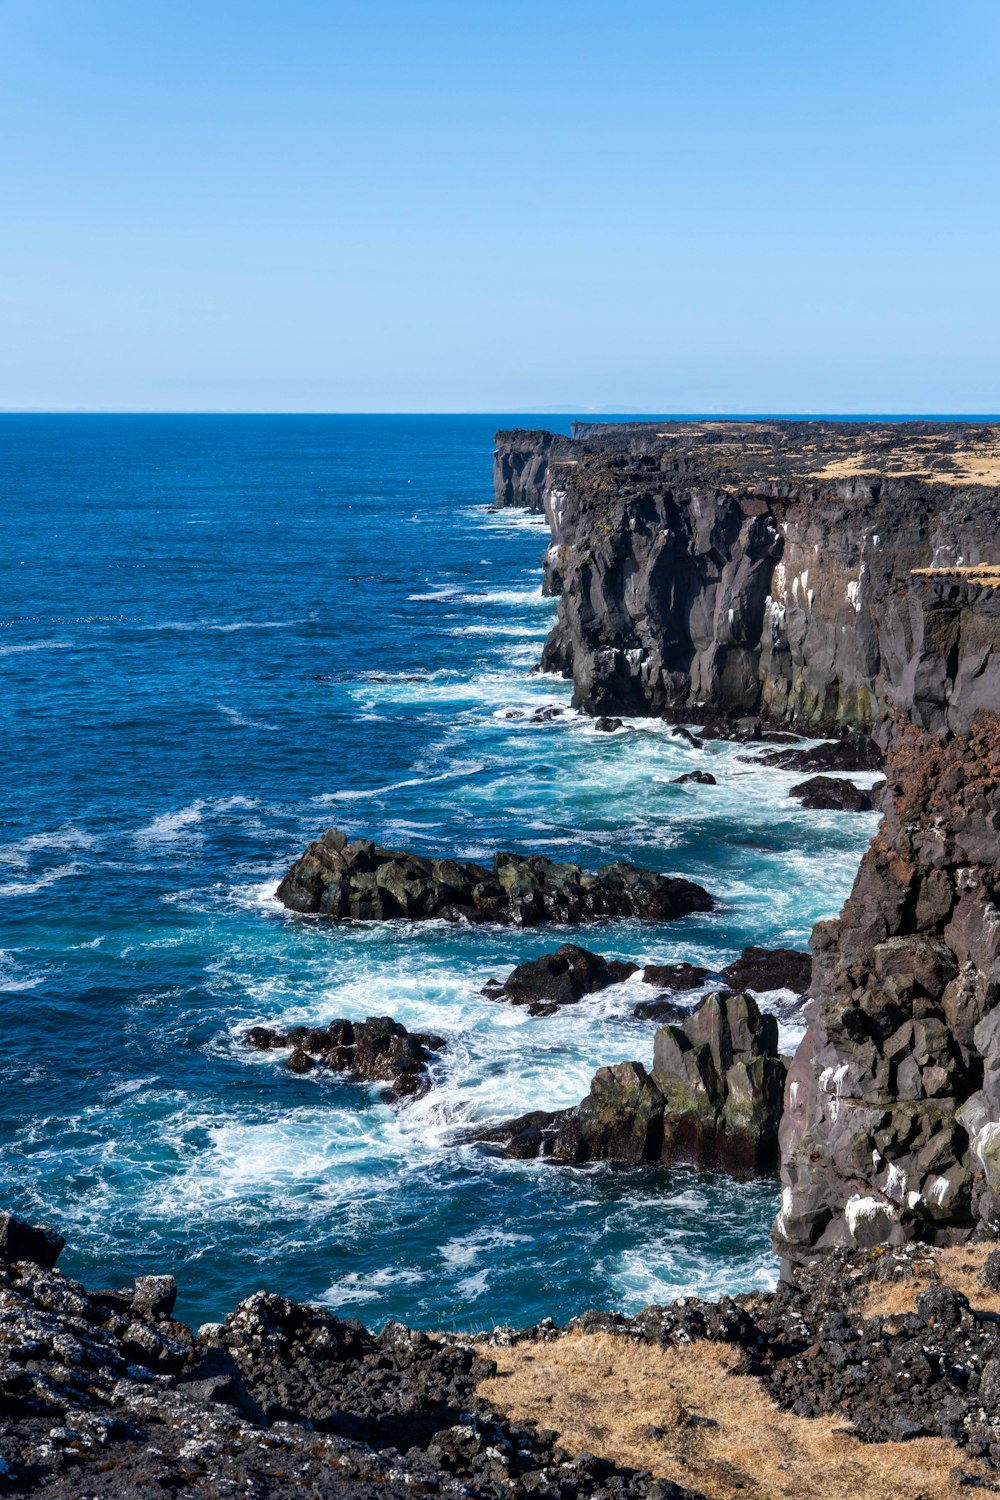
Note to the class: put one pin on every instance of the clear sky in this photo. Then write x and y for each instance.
(490, 205)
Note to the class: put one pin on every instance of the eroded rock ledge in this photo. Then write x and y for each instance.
(358, 880)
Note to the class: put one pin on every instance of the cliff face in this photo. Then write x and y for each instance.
(826, 574)
(520, 467)
(754, 567)
(891, 1128)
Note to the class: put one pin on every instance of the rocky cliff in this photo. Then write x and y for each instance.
(750, 568)
(827, 574)
(891, 1128)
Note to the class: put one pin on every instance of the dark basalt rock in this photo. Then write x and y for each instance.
(608, 726)
(661, 1008)
(765, 969)
(29, 1242)
(754, 571)
(341, 880)
(701, 778)
(713, 1100)
(837, 794)
(103, 1394)
(560, 978)
(852, 751)
(378, 1050)
(676, 976)
(892, 1126)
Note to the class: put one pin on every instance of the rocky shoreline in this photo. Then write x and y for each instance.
(892, 1361)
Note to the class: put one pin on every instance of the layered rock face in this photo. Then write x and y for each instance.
(892, 1122)
(520, 467)
(713, 1100)
(756, 568)
(341, 879)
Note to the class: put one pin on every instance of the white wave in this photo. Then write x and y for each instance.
(472, 1287)
(241, 721)
(16, 650)
(368, 1286)
(226, 627)
(500, 632)
(170, 826)
(459, 1254)
(469, 768)
(29, 887)
(434, 596)
(60, 838)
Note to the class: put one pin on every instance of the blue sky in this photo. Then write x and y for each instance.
(679, 206)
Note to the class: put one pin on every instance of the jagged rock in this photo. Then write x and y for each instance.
(377, 1050)
(101, 1397)
(675, 976)
(837, 794)
(713, 1100)
(154, 1297)
(701, 778)
(608, 725)
(560, 978)
(340, 880)
(892, 1125)
(31, 1242)
(661, 1008)
(765, 969)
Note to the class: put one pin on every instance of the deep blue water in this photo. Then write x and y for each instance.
(221, 635)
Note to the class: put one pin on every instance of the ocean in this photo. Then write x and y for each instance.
(220, 636)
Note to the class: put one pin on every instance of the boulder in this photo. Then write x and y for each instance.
(31, 1242)
(560, 978)
(700, 778)
(765, 969)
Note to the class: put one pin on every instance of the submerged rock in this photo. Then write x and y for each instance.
(713, 1100)
(359, 881)
(378, 1050)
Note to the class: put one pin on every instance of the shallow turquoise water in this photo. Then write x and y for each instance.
(221, 636)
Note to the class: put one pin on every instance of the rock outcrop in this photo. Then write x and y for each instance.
(892, 1125)
(837, 794)
(105, 1394)
(358, 880)
(756, 567)
(378, 1050)
(713, 1100)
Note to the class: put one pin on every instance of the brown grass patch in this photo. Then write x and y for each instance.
(959, 1266)
(927, 457)
(979, 573)
(652, 1408)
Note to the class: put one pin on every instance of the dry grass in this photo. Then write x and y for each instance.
(959, 1266)
(978, 573)
(923, 458)
(682, 1414)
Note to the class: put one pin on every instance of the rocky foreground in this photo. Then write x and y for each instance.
(878, 1371)
(342, 879)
